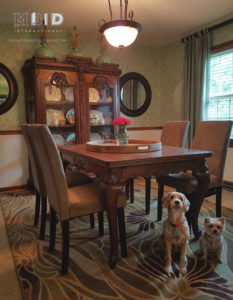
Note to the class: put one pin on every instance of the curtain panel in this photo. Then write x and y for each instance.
(196, 74)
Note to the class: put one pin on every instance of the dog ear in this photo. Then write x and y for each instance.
(165, 200)
(206, 221)
(222, 220)
(186, 203)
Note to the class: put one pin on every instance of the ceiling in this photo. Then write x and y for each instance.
(162, 21)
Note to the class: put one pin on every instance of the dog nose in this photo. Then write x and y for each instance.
(214, 231)
(177, 202)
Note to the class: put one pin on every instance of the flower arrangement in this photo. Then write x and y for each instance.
(122, 136)
(121, 122)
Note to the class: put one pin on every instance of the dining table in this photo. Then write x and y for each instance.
(114, 169)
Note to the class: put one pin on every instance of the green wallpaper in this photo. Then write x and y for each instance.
(163, 67)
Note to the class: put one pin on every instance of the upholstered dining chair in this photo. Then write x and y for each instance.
(174, 134)
(211, 136)
(68, 203)
(72, 179)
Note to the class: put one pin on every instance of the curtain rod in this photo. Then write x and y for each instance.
(212, 28)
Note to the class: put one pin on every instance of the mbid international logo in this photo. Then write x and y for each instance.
(34, 19)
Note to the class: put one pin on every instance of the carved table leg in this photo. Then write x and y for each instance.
(203, 179)
(110, 196)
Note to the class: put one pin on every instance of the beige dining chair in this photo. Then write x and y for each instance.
(72, 178)
(211, 136)
(174, 134)
(68, 203)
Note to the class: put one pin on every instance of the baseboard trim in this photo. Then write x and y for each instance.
(14, 188)
(228, 184)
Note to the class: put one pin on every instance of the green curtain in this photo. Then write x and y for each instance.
(196, 74)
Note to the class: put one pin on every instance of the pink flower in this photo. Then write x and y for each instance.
(120, 121)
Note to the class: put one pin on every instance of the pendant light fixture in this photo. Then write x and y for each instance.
(120, 33)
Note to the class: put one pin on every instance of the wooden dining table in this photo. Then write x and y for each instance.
(114, 169)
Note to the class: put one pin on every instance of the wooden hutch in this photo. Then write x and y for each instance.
(76, 98)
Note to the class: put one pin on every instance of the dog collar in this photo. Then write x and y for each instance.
(177, 226)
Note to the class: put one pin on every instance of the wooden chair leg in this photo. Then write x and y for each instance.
(92, 220)
(188, 214)
(37, 208)
(43, 217)
(101, 223)
(65, 246)
(52, 229)
(160, 197)
(131, 190)
(147, 196)
(219, 202)
(122, 233)
(127, 185)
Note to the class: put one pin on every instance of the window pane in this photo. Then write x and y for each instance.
(220, 102)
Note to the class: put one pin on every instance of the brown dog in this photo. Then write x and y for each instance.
(176, 229)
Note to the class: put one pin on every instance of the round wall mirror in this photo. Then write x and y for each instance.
(135, 94)
(8, 89)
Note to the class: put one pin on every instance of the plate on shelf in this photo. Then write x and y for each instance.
(93, 95)
(70, 116)
(52, 117)
(69, 94)
(96, 117)
(71, 138)
(94, 136)
(59, 140)
(52, 93)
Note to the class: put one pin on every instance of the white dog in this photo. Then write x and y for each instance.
(175, 229)
(211, 241)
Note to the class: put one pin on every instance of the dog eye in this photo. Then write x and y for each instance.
(211, 226)
(172, 197)
(218, 227)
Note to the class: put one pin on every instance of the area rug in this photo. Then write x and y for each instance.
(139, 276)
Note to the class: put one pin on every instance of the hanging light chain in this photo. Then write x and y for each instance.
(126, 7)
(110, 9)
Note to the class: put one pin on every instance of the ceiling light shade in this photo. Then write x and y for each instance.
(120, 33)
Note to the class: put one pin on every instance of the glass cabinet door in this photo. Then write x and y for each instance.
(101, 113)
(60, 111)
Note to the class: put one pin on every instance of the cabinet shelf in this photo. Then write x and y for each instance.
(100, 103)
(102, 125)
(59, 103)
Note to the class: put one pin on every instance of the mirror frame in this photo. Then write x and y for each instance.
(13, 89)
(146, 85)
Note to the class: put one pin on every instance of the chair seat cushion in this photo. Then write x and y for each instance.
(88, 198)
(185, 182)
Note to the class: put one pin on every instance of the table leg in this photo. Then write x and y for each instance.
(203, 179)
(110, 196)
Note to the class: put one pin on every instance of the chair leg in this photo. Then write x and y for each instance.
(147, 196)
(101, 223)
(219, 202)
(52, 229)
(188, 214)
(43, 217)
(37, 208)
(65, 246)
(131, 190)
(160, 196)
(122, 233)
(127, 185)
(92, 220)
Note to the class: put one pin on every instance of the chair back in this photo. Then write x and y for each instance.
(174, 133)
(214, 136)
(52, 168)
(38, 181)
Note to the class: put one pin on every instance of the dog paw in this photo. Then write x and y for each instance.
(182, 271)
(168, 269)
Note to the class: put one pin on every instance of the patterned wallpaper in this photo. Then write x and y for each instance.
(163, 68)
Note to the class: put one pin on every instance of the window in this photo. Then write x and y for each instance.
(220, 100)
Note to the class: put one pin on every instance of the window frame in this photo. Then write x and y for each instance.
(219, 48)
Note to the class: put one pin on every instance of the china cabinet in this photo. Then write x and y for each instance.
(77, 99)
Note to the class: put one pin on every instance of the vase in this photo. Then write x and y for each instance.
(122, 137)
